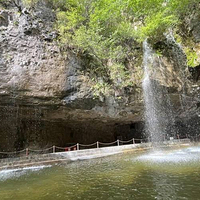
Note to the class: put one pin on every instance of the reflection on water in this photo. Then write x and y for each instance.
(176, 156)
(173, 174)
(15, 173)
(163, 187)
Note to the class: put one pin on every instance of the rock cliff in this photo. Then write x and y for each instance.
(46, 93)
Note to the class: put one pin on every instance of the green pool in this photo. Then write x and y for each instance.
(172, 174)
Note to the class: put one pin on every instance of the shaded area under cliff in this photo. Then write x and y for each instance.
(40, 127)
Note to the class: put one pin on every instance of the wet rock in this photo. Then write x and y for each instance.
(195, 27)
(49, 37)
(4, 18)
(195, 72)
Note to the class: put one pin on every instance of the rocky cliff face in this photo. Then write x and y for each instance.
(46, 94)
(35, 71)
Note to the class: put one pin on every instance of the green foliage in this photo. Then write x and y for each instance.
(101, 88)
(119, 75)
(155, 26)
(96, 27)
(108, 30)
(159, 53)
(112, 22)
(191, 57)
(187, 43)
(29, 3)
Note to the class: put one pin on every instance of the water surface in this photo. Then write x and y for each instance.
(172, 174)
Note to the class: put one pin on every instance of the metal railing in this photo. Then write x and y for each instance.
(76, 147)
(54, 149)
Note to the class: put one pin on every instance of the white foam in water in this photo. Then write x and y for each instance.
(193, 149)
(15, 173)
(176, 156)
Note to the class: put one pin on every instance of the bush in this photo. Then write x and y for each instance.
(108, 30)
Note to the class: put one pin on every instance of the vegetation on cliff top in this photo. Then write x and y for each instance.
(110, 22)
(111, 31)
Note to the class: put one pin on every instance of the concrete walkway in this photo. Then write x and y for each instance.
(79, 154)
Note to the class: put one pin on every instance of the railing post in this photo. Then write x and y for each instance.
(97, 144)
(133, 141)
(178, 137)
(117, 142)
(26, 151)
(77, 146)
(54, 149)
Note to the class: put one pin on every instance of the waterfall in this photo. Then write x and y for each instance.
(159, 120)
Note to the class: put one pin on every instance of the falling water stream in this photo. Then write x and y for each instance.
(158, 110)
(153, 125)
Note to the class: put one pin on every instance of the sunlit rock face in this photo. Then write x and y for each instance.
(35, 71)
(46, 94)
(31, 66)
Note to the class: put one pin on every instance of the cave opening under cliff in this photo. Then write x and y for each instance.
(38, 128)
